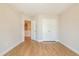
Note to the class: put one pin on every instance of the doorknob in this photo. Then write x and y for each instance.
(48, 31)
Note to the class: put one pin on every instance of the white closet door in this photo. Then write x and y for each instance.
(44, 30)
(50, 30)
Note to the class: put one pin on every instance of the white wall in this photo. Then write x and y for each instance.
(41, 24)
(10, 28)
(69, 28)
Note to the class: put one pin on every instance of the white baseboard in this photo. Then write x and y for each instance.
(46, 40)
(69, 47)
(6, 51)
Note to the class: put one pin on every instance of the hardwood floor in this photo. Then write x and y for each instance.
(34, 48)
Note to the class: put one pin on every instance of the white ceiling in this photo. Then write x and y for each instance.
(41, 8)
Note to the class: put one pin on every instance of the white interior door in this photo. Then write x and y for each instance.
(49, 30)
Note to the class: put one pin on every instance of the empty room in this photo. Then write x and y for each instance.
(39, 29)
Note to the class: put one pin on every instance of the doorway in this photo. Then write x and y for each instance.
(27, 29)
